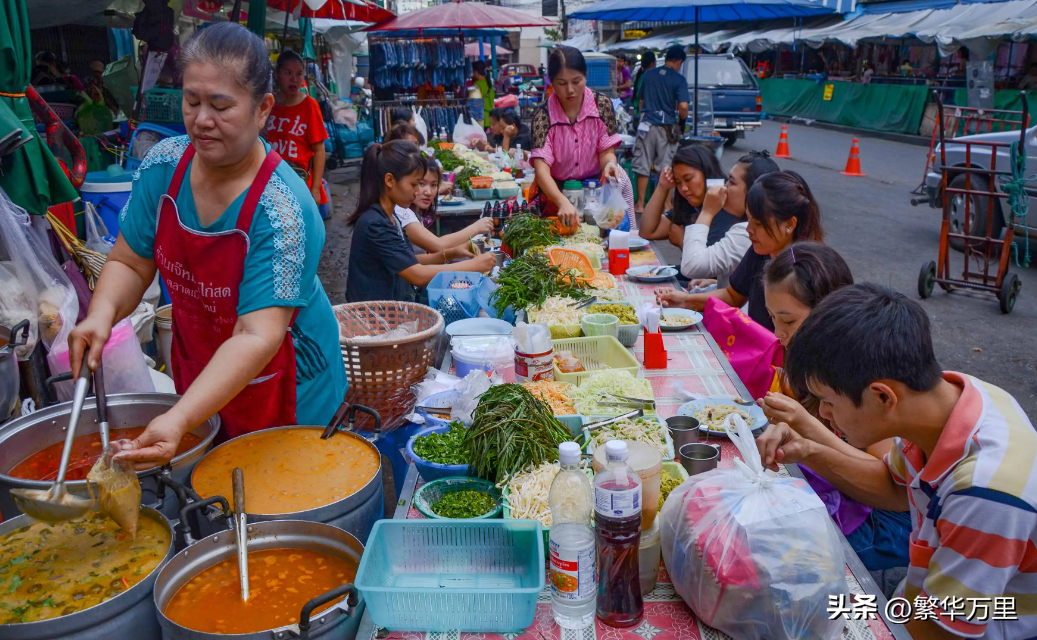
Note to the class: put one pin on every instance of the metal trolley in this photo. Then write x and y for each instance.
(982, 251)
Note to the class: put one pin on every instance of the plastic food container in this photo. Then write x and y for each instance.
(600, 324)
(648, 554)
(595, 353)
(485, 353)
(530, 367)
(648, 463)
(430, 471)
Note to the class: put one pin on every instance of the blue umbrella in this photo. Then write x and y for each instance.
(699, 11)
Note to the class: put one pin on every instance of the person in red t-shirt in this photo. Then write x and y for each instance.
(295, 128)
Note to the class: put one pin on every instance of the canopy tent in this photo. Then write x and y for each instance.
(358, 10)
(31, 176)
(463, 16)
(684, 36)
(471, 50)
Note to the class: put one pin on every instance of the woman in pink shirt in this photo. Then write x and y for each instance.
(574, 134)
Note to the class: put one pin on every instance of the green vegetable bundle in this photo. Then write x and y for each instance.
(529, 280)
(525, 230)
(445, 447)
(464, 504)
(463, 177)
(511, 430)
(448, 159)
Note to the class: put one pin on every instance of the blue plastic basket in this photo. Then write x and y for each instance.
(599, 73)
(439, 288)
(484, 293)
(430, 471)
(446, 575)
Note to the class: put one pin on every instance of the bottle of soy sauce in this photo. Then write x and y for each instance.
(617, 530)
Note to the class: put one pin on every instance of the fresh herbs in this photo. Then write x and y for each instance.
(443, 448)
(448, 159)
(463, 176)
(512, 430)
(464, 504)
(530, 280)
(524, 231)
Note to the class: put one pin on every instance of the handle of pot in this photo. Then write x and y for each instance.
(353, 409)
(61, 377)
(22, 326)
(199, 506)
(307, 609)
(336, 421)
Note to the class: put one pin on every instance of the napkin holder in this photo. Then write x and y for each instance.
(655, 351)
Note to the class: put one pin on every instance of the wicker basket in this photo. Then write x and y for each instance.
(381, 371)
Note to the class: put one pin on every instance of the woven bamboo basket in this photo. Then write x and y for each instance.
(381, 371)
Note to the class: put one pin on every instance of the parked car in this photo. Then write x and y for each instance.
(736, 95)
(514, 74)
(981, 158)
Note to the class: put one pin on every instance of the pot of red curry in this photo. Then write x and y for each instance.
(82, 579)
(300, 583)
(292, 474)
(30, 446)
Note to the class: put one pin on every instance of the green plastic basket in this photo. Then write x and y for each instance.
(163, 105)
(595, 354)
(429, 494)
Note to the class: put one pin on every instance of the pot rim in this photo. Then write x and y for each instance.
(361, 494)
(9, 429)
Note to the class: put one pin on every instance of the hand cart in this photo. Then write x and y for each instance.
(984, 250)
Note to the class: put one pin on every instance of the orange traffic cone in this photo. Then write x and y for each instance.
(853, 164)
(783, 144)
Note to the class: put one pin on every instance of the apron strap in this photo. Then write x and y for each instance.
(181, 170)
(255, 191)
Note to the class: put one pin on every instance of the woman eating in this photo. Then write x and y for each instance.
(795, 282)
(382, 265)
(691, 167)
(781, 210)
(236, 236)
(514, 133)
(574, 137)
(295, 128)
(715, 243)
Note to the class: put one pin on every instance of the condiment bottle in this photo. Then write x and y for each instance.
(573, 592)
(617, 529)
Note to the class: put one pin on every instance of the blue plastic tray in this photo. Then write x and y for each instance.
(446, 575)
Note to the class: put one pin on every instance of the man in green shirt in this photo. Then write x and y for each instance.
(480, 80)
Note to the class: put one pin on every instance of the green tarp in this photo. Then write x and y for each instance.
(1008, 100)
(31, 176)
(879, 107)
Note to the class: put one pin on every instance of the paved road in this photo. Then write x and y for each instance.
(871, 222)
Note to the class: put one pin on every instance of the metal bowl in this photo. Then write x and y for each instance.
(29, 434)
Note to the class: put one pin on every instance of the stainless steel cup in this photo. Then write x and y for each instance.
(699, 457)
(683, 430)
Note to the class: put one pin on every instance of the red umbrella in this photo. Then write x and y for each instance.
(462, 15)
(358, 10)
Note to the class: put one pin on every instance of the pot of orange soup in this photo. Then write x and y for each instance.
(300, 583)
(30, 446)
(291, 474)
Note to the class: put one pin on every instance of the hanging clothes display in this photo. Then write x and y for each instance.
(439, 115)
(404, 65)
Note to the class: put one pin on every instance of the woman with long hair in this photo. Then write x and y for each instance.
(688, 172)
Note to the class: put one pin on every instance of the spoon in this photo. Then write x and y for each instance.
(56, 504)
(238, 477)
(102, 405)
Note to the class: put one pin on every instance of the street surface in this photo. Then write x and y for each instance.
(871, 222)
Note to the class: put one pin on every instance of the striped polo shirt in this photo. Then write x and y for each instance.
(974, 510)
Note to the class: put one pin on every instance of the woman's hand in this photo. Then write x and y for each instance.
(715, 199)
(158, 444)
(460, 252)
(446, 188)
(669, 297)
(93, 333)
(482, 226)
(484, 262)
(567, 213)
(510, 131)
(699, 283)
(611, 170)
(666, 180)
(316, 193)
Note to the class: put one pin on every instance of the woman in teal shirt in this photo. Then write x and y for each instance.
(237, 236)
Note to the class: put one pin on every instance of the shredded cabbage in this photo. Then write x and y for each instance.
(644, 430)
(614, 382)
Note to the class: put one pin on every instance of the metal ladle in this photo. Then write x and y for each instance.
(241, 529)
(56, 504)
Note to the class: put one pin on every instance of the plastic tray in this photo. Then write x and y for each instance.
(596, 353)
(430, 471)
(594, 258)
(668, 455)
(445, 575)
(558, 331)
(429, 494)
(480, 194)
(507, 192)
(574, 423)
(439, 288)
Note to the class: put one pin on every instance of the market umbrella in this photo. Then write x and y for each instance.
(697, 11)
(471, 50)
(462, 15)
(31, 176)
(357, 10)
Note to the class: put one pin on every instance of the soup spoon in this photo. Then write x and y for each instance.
(240, 529)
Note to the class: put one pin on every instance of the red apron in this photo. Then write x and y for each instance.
(203, 272)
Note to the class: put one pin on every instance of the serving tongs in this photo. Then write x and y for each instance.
(625, 401)
(636, 413)
(584, 303)
(56, 504)
(241, 529)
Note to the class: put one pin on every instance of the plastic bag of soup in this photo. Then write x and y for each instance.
(115, 487)
(611, 213)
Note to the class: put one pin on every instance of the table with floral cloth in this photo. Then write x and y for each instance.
(696, 363)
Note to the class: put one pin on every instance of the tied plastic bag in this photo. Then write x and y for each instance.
(115, 487)
(32, 285)
(97, 237)
(466, 134)
(472, 386)
(753, 554)
(613, 209)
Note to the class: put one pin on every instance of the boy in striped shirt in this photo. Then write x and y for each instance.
(964, 460)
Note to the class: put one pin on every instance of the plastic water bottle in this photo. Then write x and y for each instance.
(572, 542)
(617, 528)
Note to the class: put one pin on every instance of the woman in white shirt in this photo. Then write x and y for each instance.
(454, 245)
(705, 256)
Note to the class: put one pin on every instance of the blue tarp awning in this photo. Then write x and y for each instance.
(708, 10)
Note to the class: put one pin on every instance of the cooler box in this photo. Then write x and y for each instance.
(108, 194)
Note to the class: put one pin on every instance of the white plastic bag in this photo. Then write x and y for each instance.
(32, 285)
(97, 236)
(753, 554)
(472, 387)
(613, 209)
(467, 133)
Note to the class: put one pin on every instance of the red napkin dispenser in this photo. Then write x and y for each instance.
(655, 352)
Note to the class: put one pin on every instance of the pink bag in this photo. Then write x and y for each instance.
(751, 349)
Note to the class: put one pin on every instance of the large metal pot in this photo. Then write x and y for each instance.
(9, 384)
(131, 614)
(341, 620)
(24, 436)
(356, 513)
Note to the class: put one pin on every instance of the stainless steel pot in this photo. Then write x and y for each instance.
(131, 614)
(341, 620)
(29, 434)
(9, 339)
